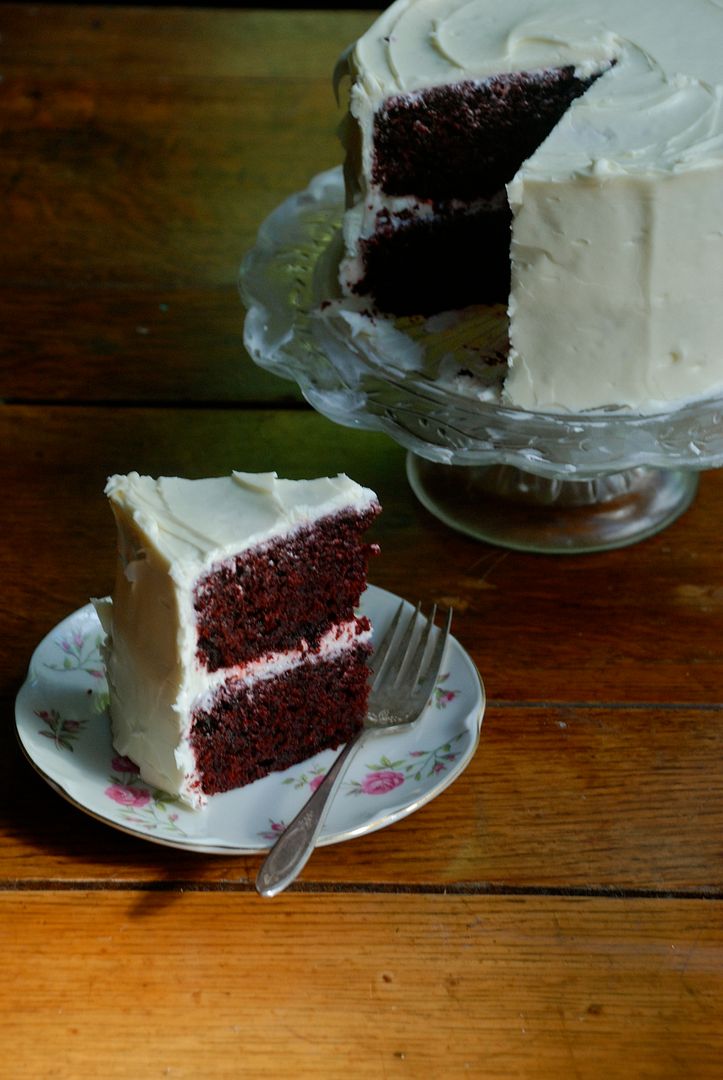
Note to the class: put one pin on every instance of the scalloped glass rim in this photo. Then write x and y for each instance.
(289, 273)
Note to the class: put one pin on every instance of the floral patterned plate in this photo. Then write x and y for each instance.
(64, 730)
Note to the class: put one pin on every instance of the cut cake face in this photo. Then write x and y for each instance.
(442, 157)
(232, 644)
(566, 161)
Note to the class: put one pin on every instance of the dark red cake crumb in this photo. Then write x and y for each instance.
(434, 264)
(268, 599)
(278, 722)
(468, 140)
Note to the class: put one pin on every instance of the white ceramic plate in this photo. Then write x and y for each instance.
(64, 730)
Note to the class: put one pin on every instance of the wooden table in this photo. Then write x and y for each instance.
(557, 912)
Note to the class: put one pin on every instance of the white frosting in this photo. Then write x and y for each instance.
(169, 532)
(194, 523)
(617, 235)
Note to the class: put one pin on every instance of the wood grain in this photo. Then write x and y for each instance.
(130, 44)
(123, 344)
(140, 156)
(119, 185)
(564, 798)
(225, 985)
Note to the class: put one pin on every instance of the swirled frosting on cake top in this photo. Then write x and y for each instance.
(660, 104)
(192, 523)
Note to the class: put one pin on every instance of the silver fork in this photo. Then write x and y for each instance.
(404, 668)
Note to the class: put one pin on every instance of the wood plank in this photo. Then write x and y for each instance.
(226, 985)
(127, 43)
(556, 798)
(584, 788)
(144, 146)
(141, 152)
(147, 184)
(130, 344)
(637, 625)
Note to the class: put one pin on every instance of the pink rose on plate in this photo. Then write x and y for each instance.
(314, 783)
(378, 783)
(128, 796)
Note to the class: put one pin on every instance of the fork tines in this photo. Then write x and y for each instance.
(412, 649)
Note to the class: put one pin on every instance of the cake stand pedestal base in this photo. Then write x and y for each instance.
(515, 509)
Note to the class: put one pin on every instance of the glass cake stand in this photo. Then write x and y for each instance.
(557, 483)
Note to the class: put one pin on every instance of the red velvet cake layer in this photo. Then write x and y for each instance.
(267, 599)
(468, 140)
(426, 265)
(278, 722)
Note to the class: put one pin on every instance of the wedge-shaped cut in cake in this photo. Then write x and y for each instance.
(233, 647)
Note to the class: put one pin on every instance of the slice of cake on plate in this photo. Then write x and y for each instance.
(232, 644)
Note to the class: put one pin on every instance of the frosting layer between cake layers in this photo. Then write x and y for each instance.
(181, 540)
(616, 217)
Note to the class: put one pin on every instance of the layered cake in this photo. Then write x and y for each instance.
(233, 646)
(563, 160)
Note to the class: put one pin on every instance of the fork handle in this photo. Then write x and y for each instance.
(293, 849)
